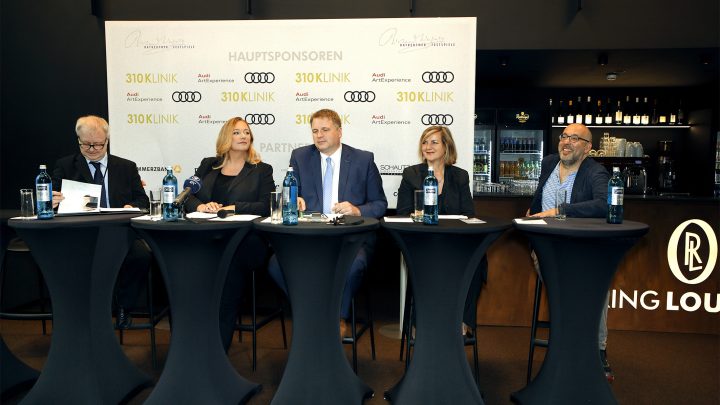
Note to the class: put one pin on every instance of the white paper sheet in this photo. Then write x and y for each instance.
(79, 197)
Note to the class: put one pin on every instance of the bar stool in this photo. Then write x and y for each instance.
(19, 248)
(257, 323)
(534, 340)
(358, 327)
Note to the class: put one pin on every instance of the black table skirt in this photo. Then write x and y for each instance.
(441, 261)
(578, 258)
(315, 259)
(194, 260)
(80, 258)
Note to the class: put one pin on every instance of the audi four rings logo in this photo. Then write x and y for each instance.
(359, 96)
(259, 77)
(437, 119)
(186, 96)
(260, 119)
(438, 77)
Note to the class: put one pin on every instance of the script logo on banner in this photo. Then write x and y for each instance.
(186, 96)
(259, 77)
(437, 119)
(359, 96)
(438, 77)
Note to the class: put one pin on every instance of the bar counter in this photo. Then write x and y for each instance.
(645, 294)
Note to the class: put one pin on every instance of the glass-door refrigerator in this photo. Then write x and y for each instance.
(520, 143)
(483, 150)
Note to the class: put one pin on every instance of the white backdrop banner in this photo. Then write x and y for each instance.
(172, 84)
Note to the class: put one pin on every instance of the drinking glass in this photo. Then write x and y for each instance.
(276, 207)
(419, 205)
(27, 204)
(560, 199)
(156, 203)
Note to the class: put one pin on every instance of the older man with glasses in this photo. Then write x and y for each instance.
(586, 183)
(121, 188)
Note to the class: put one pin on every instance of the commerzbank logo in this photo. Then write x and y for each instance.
(693, 247)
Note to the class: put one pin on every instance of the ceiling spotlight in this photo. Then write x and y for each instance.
(602, 59)
(503, 61)
(611, 76)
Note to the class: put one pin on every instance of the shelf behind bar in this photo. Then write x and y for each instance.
(632, 126)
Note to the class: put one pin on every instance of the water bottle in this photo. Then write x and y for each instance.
(289, 199)
(43, 194)
(170, 212)
(616, 192)
(430, 195)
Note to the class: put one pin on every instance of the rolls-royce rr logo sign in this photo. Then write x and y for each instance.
(259, 77)
(691, 243)
(438, 77)
(260, 119)
(186, 96)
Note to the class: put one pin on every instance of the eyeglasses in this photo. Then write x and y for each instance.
(572, 138)
(89, 146)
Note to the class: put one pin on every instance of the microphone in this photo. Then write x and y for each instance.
(225, 213)
(192, 185)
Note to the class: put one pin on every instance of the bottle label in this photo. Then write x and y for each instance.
(168, 194)
(430, 195)
(43, 192)
(616, 195)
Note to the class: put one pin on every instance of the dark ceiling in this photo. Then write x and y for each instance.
(580, 68)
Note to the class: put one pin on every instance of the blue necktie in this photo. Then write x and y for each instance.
(100, 179)
(327, 187)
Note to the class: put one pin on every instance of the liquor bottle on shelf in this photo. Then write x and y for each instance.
(619, 113)
(654, 118)
(561, 114)
(673, 118)
(680, 114)
(579, 111)
(588, 111)
(552, 113)
(570, 119)
(636, 117)
(627, 112)
(599, 113)
(43, 194)
(616, 192)
(608, 120)
(663, 116)
(430, 194)
(645, 115)
(170, 212)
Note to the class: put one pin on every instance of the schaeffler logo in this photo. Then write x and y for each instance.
(436, 119)
(359, 96)
(186, 96)
(259, 77)
(260, 119)
(693, 251)
(438, 77)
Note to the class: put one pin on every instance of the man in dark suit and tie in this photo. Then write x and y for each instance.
(121, 188)
(339, 179)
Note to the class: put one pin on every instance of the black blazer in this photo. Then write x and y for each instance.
(589, 193)
(124, 184)
(456, 197)
(249, 190)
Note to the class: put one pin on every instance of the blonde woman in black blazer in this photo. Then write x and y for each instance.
(236, 180)
(437, 148)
